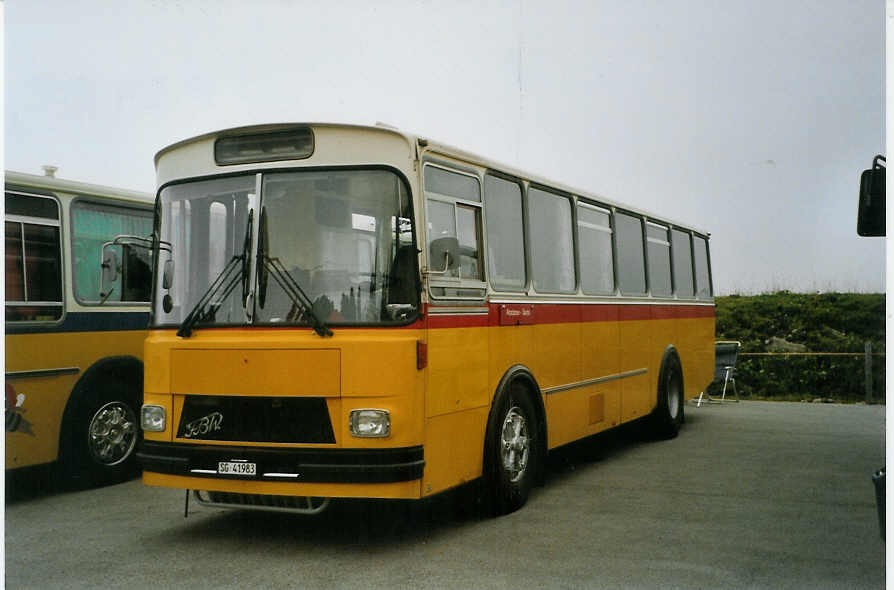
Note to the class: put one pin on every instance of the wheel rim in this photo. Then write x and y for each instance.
(673, 397)
(515, 444)
(112, 433)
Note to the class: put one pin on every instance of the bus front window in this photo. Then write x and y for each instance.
(344, 237)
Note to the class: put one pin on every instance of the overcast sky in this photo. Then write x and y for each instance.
(751, 120)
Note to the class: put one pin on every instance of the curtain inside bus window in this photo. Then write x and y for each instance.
(94, 225)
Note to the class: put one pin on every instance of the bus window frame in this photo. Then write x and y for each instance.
(63, 262)
(670, 261)
(707, 239)
(262, 171)
(674, 277)
(607, 210)
(526, 254)
(645, 294)
(459, 283)
(572, 201)
(111, 204)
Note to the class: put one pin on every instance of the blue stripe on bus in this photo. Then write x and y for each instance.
(87, 321)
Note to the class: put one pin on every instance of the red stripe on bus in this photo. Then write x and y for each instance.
(552, 313)
(458, 320)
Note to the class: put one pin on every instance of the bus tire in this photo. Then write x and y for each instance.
(512, 450)
(102, 432)
(668, 415)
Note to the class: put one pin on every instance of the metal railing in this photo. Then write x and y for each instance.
(841, 374)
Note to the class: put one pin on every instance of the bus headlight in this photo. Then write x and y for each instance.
(152, 418)
(370, 423)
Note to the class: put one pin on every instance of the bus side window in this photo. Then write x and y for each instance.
(702, 269)
(595, 250)
(505, 234)
(454, 210)
(552, 247)
(659, 259)
(33, 259)
(631, 264)
(95, 224)
(682, 255)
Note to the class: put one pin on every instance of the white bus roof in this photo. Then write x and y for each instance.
(51, 183)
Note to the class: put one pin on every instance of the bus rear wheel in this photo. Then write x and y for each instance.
(668, 416)
(512, 452)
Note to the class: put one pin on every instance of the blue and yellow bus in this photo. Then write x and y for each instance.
(74, 346)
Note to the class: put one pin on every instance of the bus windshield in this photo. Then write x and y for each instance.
(344, 237)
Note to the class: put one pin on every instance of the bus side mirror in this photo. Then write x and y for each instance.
(444, 251)
(110, 269)
(871, 206)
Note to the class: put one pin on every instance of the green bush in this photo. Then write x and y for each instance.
(823, 322)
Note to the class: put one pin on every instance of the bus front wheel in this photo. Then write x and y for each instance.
(512, 451)
(103, 434)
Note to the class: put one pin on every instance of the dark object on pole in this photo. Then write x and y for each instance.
(871, 206)
(878, 478)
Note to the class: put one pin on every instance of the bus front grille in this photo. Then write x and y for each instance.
(255, 419)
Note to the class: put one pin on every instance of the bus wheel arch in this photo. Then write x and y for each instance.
(669, 414)
(514, 442)
(100, 427)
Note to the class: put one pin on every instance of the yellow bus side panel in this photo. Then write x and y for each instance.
(454, 449)
(457, 370)
(46, 397)
(557, 358)
(580, 412)
(637, 353)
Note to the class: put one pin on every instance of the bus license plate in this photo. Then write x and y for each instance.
(236, 468)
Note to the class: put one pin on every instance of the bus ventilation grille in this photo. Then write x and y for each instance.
(296, 504)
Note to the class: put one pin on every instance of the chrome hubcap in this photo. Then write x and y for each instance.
(515, 444)
(112, 433)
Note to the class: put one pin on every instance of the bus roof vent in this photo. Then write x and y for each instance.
(49, 170)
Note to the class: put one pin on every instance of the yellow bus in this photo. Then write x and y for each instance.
(349, 311)
(73, 352)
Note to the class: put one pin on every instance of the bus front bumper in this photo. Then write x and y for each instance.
(305, 465)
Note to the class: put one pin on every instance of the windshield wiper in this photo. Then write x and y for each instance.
(300, 301)
(227, 280)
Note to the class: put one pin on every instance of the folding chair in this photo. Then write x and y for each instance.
(725, 355)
